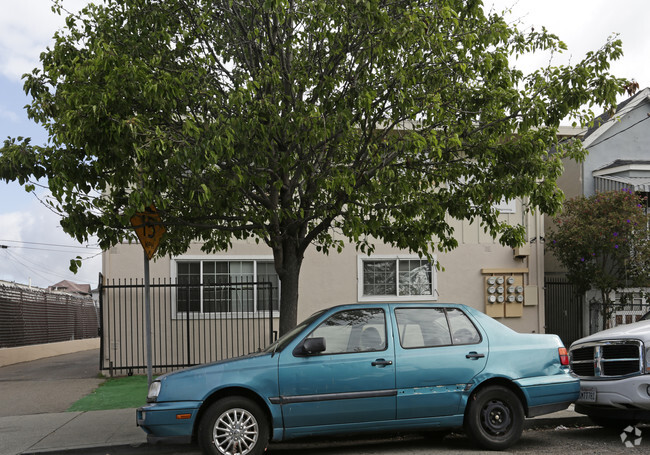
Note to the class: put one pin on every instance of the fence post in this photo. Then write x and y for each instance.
(270, 293)
(100, 328)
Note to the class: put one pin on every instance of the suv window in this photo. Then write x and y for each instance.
(362, 330)
(430, 327)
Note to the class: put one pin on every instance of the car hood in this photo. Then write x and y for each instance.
(637, 330)
(213, 366)
(256, 372)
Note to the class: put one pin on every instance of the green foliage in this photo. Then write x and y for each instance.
(290, 121)
(603, 242)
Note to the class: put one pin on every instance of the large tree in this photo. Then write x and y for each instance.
(603, 242)
(300, 122)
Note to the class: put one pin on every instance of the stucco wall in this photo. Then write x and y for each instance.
(332, 279)
(10, 356)
(571, 180)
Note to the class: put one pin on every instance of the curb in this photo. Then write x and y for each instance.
(539, 423)
(122, 449)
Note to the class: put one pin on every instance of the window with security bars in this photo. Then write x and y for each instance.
(397, 277)
(227, 286)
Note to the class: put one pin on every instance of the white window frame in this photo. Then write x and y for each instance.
(395, 298)
(506, 206)
(226, 258)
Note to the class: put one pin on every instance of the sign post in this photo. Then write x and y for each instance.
(149, 229)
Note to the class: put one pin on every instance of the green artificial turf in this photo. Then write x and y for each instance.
(115, 393)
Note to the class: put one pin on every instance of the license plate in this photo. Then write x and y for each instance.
(588, 395)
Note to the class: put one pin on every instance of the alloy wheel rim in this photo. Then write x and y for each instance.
(235, 432)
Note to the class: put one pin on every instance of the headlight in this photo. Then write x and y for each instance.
(154, 390)
(647, 360)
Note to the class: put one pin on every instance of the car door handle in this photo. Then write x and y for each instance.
(474, 355)
(381, 363)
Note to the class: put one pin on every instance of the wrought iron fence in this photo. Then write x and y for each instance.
(563, 309)
(34, 316)
(628, 306)
(190, 323)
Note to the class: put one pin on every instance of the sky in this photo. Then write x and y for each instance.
(38, 251)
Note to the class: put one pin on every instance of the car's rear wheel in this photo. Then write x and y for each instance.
(494, 418)
(234, 425)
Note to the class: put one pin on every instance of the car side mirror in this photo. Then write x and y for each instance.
(310, 346)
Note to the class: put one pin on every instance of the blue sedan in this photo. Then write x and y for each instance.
(374, 367)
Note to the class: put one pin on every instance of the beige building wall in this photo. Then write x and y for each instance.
(333, 279)
(571, 182)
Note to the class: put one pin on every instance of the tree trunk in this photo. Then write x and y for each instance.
(288, 262)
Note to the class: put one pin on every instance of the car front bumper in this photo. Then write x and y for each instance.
(620, 398)
(169, 422)
(627, 393)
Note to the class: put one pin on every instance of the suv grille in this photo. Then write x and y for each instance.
(607, 358)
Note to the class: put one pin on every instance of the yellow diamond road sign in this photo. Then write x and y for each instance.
(149, 229)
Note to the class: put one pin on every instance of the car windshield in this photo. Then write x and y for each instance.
(645, 317)
(285, 339)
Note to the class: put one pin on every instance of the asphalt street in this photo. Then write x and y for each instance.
(545, 440)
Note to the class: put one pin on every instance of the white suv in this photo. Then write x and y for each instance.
(614, 371)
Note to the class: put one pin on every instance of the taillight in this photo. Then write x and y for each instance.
(564, 356)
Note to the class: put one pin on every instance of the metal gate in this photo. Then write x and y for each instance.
(191, 323)
(563, 307)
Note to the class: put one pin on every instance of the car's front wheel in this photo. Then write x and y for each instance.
(234, 425)
(494, 418)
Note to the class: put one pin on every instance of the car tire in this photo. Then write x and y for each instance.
(494, 418)
(234, 425)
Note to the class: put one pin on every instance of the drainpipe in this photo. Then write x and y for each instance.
(539, 262)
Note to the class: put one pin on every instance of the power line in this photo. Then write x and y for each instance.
(29, 269)
(619, 132)
(38, 249)
(31, 266)
(36, 269)
(51, 244)
(56, 251)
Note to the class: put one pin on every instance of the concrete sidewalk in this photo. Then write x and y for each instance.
(104, 431)
(68, 430)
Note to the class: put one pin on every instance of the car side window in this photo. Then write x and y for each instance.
(431, 327)
(462, 329)
(422, 327)
(361, 330)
